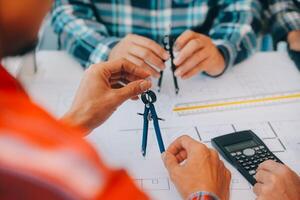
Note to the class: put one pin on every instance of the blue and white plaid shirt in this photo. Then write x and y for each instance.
(89, 29)
(281, 16)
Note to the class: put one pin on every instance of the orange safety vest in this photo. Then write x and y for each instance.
(42, 158)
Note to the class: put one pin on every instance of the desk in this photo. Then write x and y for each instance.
(278, 125)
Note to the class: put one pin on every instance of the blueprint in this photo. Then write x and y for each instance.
(58, 76)
(123, 148)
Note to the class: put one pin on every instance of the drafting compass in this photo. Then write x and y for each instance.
(168, 43)
(150, 114)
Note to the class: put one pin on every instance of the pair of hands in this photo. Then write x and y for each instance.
(196, 54)
(194, 167)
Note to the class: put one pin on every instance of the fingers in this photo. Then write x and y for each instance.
(187, 144)
(188, 50)
(257, 189)
(150, 44)
(133, 89)
(169, 160)
(139, 62)
(193, 62)
(269, 165)
(181, 156)
(184, 38)
(119, 65)
(263, 176)
(147, 55)
(200, 67)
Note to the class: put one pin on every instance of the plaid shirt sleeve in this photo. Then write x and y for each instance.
(203, 196)
(284, 16)
(80, 33)
(232, 31)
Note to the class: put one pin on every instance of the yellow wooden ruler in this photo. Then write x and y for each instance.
(233, 103)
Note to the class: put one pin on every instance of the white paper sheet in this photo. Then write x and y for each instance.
(278, 125)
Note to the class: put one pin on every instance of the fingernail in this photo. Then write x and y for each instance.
(166, 56)
(145, 85)
(176, 47)
(176, 60)
(184, 77)
(178, 72)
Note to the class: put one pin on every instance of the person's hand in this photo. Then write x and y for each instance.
(100, 93)
(294, 40)
(141, 51)
(193, 168)
(276, 181)
(197, 53)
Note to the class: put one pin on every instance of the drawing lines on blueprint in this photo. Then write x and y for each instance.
(153, 183)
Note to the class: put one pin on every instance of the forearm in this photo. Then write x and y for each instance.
(232, 31)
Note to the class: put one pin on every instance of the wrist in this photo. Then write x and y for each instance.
(75, 119)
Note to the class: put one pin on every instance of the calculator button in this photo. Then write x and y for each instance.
(238, 153)
(248, 152)
(252, 172)
(247, 167)
(256, 148)
(233, 154)
(261, 147)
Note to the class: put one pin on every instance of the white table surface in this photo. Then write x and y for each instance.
(58, 77)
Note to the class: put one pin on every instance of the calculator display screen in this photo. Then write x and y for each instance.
(241, 145)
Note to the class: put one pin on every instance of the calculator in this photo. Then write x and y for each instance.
(245, 151)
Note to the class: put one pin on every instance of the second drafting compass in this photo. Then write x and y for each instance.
(168, 43)
(150, 114)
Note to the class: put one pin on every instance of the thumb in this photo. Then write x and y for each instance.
(134, 89)
(170, 161)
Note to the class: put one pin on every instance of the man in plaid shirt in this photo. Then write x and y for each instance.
(211, 35)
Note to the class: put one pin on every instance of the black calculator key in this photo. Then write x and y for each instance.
(252, 172)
